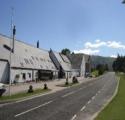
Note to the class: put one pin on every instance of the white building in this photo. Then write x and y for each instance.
(27, 62)
(81, 64)
(62, 63)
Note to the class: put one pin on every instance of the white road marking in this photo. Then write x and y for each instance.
(68, 94)
(83, 108)
(93, 97)
(46, 103)
(73, 118)
(89, 102)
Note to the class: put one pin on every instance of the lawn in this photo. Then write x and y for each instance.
(23, 95)
(116, 108)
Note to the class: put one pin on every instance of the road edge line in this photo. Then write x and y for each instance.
(108, 101)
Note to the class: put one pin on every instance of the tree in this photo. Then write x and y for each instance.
(100, 68)
(65, 51)
(119, 64)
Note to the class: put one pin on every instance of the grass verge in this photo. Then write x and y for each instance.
(116, 108)
(23, 95)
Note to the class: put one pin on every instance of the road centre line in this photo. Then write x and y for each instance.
(93, 97)
(83, 108)
(73, 118)
(89, 102)
(42, 105)
(70, 93)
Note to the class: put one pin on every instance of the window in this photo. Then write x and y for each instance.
(7, 47)
(37, 59)
(29, 74)
(31, 61)
(32, 57)
(22, 65)
(41, 59)
(24, 76)
(26, 61)
(41, 66)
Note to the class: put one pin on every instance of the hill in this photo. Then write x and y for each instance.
(95, 60)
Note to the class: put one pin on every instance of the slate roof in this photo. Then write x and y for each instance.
(64, 61)
(26, 56)
(76, 60)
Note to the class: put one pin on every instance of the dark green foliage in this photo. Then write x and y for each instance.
(30, 90)
(65, 51)
(119, 64)
(74, 80)
(101, 68)
(67, 82)
(2, 91)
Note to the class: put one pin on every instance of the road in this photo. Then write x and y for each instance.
(62, 105)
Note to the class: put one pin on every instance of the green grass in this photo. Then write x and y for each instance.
(116, 108)
(23, 95)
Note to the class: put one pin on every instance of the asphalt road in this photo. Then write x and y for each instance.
(62, 105)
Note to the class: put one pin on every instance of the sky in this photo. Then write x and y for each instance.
(95, 27)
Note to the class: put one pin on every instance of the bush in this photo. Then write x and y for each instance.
(67, 82)
(30, 90)
(2, 91)
(45, 86)
(74, 80)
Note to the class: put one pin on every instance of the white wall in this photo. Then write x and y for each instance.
(4, 72)
(82, 71)
(20, 72)
(75, 72)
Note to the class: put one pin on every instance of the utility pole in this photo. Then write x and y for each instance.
(13, 31)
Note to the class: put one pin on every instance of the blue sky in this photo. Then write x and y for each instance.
(87, 26)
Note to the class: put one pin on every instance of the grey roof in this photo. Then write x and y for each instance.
(87, 58)
(64, 61)
(26, 56)
(76, 60)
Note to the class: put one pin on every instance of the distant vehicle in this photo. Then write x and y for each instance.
(2, 89)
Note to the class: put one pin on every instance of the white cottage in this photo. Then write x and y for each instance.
(28, 63)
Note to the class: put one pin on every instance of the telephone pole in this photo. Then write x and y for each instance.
(12, 37)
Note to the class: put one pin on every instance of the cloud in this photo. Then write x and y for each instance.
(87, 51)
(110, 44)
(97, 44)
(114, 44)
(93, 48)
(113, 56)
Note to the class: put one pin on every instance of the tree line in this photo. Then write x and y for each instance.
(119, 64)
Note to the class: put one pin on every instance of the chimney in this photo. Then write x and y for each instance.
(38, 44)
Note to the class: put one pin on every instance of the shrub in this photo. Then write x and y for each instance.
(74, 80)
(67, 82)
(45, 86)
(30, 90)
